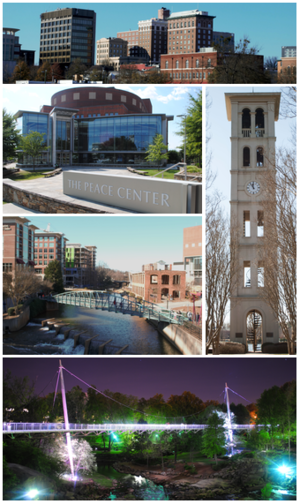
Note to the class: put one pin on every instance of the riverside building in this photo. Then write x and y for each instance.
(94, 125)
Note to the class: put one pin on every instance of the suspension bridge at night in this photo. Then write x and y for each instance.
(19, 428)
(13, 428)
(98, 300)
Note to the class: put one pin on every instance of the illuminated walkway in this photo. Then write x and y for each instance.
(18, 428)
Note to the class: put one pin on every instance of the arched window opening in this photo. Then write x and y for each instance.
(259, 119)
(246, 156)
(187, 64)
(246, 119)
(177, 64)
(260, 157)
(167, 65)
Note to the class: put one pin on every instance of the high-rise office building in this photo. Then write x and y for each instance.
(67, 34)
(80, 264)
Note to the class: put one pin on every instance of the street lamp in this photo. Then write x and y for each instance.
(184, 154)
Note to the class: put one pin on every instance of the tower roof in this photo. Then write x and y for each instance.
(252, 97)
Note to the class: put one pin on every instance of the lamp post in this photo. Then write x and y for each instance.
(184, 152)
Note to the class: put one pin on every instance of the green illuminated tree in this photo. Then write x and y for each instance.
(214, 437)
(54, 274)
(11, 136)
(156, 152)
(33, 145)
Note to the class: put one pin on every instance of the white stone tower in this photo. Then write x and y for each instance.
(252, 117)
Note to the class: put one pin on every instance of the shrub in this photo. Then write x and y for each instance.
(266, 491)
(11, 311)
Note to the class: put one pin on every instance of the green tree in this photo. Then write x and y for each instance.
(33, 145)
(240, 65)
(155, 152)
(21, 71)
(11, 135)
(272, 409)
(214, 437)
(191, 129)
(54, 274)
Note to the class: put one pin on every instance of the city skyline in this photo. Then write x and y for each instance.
(229, 18)
(130, 234)
(146, 377)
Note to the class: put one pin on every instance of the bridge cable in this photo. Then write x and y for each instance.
(125, 406)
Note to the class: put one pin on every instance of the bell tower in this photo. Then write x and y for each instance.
(252, 117)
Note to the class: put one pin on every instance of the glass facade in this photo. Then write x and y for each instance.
(63, 136)
(111, 134)
(111, 140)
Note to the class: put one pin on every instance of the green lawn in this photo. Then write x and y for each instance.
(28, 175)
(170, 174)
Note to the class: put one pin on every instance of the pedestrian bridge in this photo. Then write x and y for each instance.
(19, 428)
(99, 300)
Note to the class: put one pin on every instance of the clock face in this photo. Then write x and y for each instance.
(253, 188)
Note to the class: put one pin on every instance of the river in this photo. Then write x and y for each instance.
(141, 337)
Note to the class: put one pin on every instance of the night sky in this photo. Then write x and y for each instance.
(145, 377)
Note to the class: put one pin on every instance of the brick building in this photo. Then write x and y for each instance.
(188, 31)
(287, 65)
(49, 246)
(157, 282)
(196, 68)
(150, 40)
(191, 68)
(18, 244)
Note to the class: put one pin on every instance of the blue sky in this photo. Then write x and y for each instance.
(169, 100)
(220, 129)
(125, 243)
(268, 25)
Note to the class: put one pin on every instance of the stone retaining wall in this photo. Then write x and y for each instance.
(179, 337)
(43, 204)
(16, 322)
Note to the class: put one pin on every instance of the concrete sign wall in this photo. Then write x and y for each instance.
(139, 194)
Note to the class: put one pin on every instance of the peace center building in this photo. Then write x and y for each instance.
(90, 125)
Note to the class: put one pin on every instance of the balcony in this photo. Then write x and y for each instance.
(246, 133)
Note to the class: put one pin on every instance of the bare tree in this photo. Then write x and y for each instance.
(24, 283)
(221, 269)
(279, 250)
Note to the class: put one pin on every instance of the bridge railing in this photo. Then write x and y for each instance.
(10, 427)
(115, 302)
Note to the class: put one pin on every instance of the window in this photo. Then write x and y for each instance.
(246, 224)
(260, 223)
(246, 156)
(260, 274)
(259, 119)
(153, 279)
(176, 279)
(246, 119)
(260, 157)
(165, 279)
(197, 63)
(247, 274)
(177, 64)
(187, 64)
(7, 267)
(209, 62)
